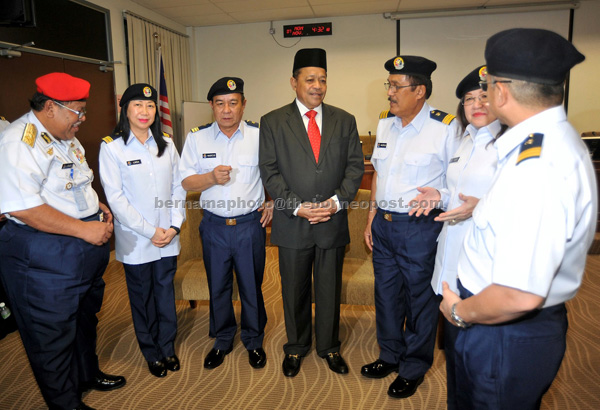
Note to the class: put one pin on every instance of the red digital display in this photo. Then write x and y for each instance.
(313, 29)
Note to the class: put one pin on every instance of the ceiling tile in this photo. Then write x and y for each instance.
(356, 8)
(271, 15)
(197, 10)
(238, 6)
(207, 20)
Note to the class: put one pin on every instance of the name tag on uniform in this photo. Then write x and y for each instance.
(134, 162)
(209, 155)
(455, 159)
(68, 166)
(382, 145)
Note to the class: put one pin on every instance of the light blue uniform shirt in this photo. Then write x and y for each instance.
(37, 169)
(533, 228)
(470, 173)
(138, 185)
(416, 155)
(208, 147)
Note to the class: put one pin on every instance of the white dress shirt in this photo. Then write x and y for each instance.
(52, 171)
(533, 228)
(416, 155)
(207, 148)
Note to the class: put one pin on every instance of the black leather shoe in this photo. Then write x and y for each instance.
(104, 382)
(378, 369)
(402, 388)
(172, 363)
(215, 358)
(157, 368)
(336, 363)
(257, 358)
(291, 365)
(82, 406)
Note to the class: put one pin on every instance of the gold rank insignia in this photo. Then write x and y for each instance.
(46, 137)
(167, 135)
(385, 114)
(50, 151)
(2, 118)
(201, 127)
(441, 116)
(531, 147)
(108, 140)
(29, 134)
(251, 123)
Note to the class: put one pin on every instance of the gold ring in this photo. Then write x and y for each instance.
(454, 221)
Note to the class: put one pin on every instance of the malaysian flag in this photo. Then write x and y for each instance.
(165, 112)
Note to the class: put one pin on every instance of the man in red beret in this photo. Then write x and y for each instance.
(54, 248)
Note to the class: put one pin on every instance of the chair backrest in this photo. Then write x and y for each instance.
(358, 213)
(191, 244)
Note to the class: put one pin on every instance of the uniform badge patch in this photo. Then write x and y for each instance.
(398, 63)
(382, 145)
(441, 116)
(29, 134)
(147, 92)
(134, 162)
(231, 85)
(531, 147)
(79, 155)
(107, 139)
(483, 73)
(46, 137)
(50, 151)
(209, 155)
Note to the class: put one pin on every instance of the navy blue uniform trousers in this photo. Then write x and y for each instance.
(239, 247)
(406, 308)
(56, 288)
(509, 366)
(152, 300)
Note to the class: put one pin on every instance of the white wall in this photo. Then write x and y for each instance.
(584, 101)
(359, 47)
(116, 8)
(355, 55)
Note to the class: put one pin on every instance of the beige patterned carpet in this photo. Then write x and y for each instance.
(235, 385)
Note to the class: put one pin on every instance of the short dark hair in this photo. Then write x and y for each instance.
(38, 101)
(419, 79)
(535, 94)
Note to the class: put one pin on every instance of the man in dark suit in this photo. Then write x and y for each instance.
(311, 164)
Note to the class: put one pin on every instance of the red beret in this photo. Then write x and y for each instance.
(63, 87)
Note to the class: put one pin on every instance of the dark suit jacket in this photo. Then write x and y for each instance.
(291, 175)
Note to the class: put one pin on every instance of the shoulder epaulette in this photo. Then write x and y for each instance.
(201, 127)
(29, 134)
(2, 118)
(108, 140)
(167, 135)
(385, 114)
(531, 147)
(251, 123)
(46, 137)
(442, 117)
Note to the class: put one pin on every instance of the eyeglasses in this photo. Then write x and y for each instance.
(80, 114)
(482, 98)
(397, 88)
(484, 85)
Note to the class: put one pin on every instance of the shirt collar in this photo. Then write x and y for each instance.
(303, 110)
(417, 122)
(484, 134)
(133, 138)
(514, 136)
(239, 133)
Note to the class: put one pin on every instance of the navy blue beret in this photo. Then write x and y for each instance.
(226, 85)
(408, 65)
(534, 55)
(471, 81)
(141, 91)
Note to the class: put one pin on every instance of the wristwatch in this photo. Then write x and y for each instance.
(458, 321)
(176, 229)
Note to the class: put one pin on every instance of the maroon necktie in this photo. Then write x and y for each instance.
(314, 135)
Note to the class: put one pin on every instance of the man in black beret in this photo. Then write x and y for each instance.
(312, 165)
(414, 145)
(220, 160)
(525, 256)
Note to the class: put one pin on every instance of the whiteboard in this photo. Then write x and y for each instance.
(195, 114)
